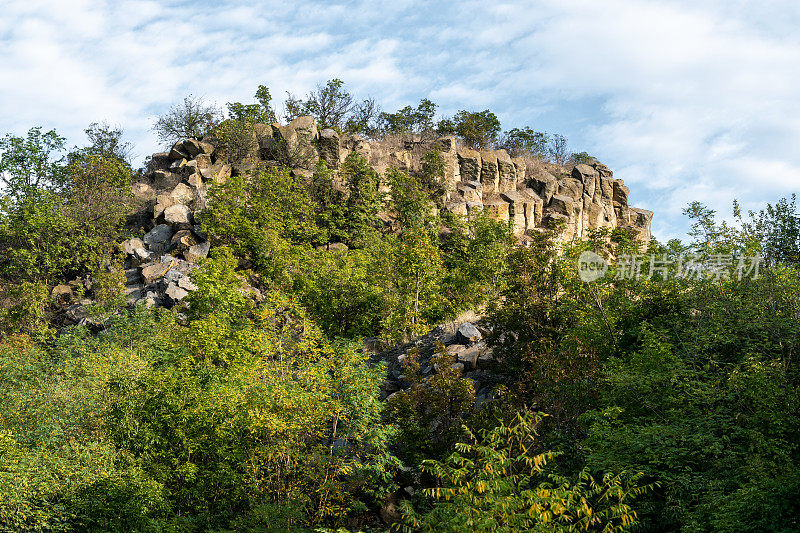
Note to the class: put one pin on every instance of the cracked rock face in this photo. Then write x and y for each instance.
(488, 181)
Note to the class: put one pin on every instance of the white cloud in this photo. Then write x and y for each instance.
(685, 100)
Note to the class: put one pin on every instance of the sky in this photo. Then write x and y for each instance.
(684, 100)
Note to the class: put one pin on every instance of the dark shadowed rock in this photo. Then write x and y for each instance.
(467, 333)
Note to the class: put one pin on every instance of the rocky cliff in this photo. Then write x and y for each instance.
(531, 195)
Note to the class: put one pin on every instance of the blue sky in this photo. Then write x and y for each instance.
(696, 100)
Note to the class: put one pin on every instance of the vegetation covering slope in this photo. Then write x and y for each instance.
(657, 402)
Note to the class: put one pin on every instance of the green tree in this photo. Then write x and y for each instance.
(363, 201)
(410, 120)
(411, 271)
(329, 104)
(265, 218)
(60, 215)
(259, 113)
(364, 119)
(32, 163)
(479, 129)
(192, 118)
(524, 141)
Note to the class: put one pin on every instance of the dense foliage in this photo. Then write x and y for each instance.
(663, 396)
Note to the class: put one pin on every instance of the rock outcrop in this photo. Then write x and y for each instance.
(577, 200)
(175, 189)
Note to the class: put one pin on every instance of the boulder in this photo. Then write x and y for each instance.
(516, 209)
(195, 180)
(570, 187)
(155, 271)
(197, 252)
(183, 240)
(544, 185)
(583, 172)
(640, 223)
(561, 205)
(455, 349)
(157, 239)
(469, 357)
(202, 161)
(467, 334)
(496, 207)
(177, 153)
(182, 194)
(191, 147)
(143, 191)
(175, 294)
(218, 173)
(620, 193)
(163, 179)
(534, 206)
(178, 214)
(130, 246)
(159, 161)
(305, 127)
(471, 191)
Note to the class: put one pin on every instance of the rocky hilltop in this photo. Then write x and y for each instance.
(531, 195)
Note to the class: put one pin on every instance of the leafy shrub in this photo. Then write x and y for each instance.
(497, 482)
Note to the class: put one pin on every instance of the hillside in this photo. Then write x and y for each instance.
(521, 192)
(380, 325)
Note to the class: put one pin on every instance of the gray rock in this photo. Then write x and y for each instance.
(132, 276)
(182, 194)
(561, 205)
(177, 152)
(143, 191)
(158, 237)
(130, 246)
(197, 252)
(163, 179)
(191, 147)
(178, 214)
(134, 293)
(468, 333)
(148, 301)
(187, 284)
(159, 161)
(155, 271)
(141, 254)
(175, 294)
(471, 355)
(455, 349)
(183, 240)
